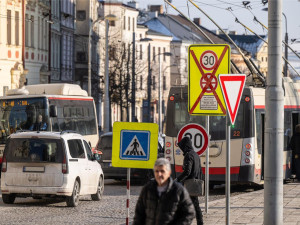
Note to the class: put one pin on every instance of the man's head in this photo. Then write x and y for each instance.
(162, 171)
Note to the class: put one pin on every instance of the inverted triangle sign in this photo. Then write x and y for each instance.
(232, 86)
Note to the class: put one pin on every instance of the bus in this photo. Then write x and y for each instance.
(247, 134)
(48, 107)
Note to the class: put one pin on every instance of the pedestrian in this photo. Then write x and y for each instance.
(162, 200)
(191, 169)
(295, 146)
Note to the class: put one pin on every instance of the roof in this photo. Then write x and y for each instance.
(153, 32)
(213, 36)
(42, 134)
(167, 25)
(250, 43)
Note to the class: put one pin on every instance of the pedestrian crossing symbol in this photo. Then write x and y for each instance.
(134, 145)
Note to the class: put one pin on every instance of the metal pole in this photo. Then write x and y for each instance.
(89, 63)
(133, 79)
(106, 82)
(273, 177)
(286, 47)
(227, 169)
(207, 169)
(149, 84)
(128, 196)
(89, 57)
(159, 95)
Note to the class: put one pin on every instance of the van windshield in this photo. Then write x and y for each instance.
(34, 150)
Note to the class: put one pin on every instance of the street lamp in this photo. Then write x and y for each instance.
(108, 17)
(89, 57)
(149, 78)
(160, 90)
(107, 117)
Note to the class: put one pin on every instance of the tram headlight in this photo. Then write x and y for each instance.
(247, 153)
(247, 160)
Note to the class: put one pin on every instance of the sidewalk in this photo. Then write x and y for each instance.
(248, 208)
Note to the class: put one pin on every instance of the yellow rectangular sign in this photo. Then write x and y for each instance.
(134, 145)
(206, 62)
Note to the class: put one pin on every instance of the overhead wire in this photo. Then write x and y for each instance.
(257, 75)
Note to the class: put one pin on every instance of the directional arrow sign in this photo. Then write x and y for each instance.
(232, 86)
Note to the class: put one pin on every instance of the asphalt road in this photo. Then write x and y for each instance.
(110, 210)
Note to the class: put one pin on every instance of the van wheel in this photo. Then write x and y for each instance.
(8, 198)
(100, 190)
(73, 200)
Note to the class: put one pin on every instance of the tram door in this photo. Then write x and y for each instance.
(262, 146)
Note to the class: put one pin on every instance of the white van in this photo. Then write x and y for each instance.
(48, 164)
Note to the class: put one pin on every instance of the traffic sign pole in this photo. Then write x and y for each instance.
(207, 169)
(227, 170)
(128, 195)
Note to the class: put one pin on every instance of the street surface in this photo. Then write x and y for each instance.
(110, 210)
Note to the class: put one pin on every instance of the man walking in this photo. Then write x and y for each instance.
(191, 169)
(163, 201)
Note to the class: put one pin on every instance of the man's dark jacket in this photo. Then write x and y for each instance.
(191, 162)
(173, 206)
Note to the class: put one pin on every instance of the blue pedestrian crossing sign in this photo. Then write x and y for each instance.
(134, 145)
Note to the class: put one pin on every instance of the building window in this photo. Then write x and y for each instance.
(153, 83)
(164, 83)
(133, 25)
(153, 53)
(81, 57)
(9, 27)
(128, 23)
(266, 59)
(141, 52)
(27, 30)
(81, 15)
(141, 82)
(124, 26)
(262, 59)
(112, 23)
(32, 32)
(159, 52)
(164, 50)
(17, 41)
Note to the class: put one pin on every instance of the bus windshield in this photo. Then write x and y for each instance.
(23, 114)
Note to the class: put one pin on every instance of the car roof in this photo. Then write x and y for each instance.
(106, 134)
(45, 134)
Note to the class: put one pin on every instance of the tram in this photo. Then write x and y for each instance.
(247, 134)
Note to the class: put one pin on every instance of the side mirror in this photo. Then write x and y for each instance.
(53, 111)
(97, 157)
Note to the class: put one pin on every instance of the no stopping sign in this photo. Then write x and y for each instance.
(198, 136)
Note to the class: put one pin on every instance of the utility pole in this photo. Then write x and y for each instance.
(133, 80)
(106, 83)
(286, 47)
(149, 84)
(273, 174)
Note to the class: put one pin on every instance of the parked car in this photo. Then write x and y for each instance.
(50, 164)
(105, 146)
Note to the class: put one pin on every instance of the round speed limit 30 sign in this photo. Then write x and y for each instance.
(198, 136)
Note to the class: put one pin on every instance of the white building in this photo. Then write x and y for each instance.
(12, 72)
(121, 43)
(37, 41)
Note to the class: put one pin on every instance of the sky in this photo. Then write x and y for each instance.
(219, 10)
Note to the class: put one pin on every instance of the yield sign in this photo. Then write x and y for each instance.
(232, 86)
